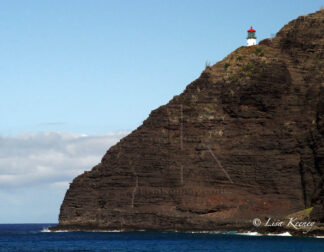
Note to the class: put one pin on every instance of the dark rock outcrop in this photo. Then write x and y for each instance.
(244, 140)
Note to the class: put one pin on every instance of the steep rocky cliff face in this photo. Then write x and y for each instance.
(244, 140)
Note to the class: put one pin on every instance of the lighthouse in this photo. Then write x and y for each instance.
(251, 39)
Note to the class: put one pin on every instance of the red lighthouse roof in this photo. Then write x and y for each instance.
(251, 30)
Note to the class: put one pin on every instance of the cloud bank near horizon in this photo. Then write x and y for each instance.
(36, 169)
(50, 158)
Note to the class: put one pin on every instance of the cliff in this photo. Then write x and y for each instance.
(244, 140)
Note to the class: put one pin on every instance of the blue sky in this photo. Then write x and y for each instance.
(98, 68)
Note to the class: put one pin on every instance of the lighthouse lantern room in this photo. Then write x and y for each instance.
(251, 39)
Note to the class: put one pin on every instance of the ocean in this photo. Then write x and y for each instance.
(35, 237)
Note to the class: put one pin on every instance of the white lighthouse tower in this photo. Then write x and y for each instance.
(251, 39)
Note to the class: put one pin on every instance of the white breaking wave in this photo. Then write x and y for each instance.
(269, 234)
(56, 231)
(282, 234)
(46, 230)
(250, 233)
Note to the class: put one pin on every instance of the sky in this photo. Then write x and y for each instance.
(78, 75)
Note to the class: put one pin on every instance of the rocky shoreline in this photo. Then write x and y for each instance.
(248, 230)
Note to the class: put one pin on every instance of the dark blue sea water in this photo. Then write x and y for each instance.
(29, 237)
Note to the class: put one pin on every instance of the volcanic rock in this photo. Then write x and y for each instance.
(243, 141)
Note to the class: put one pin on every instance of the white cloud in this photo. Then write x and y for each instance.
(50, 158)
(36, 169)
